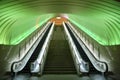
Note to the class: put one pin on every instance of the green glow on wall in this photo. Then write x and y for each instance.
(22, 28)
(18, 39)
(102, 23)
(100, 19)
(99, 28)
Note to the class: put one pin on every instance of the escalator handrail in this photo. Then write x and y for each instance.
(79, 61)
(38, 63)
(27, 55)
(97, 62)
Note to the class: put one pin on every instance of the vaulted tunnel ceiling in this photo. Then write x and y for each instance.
(100, 19)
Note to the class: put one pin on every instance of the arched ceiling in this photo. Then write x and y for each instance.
(100, 19)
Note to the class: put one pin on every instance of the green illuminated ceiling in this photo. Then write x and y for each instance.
(100, 19)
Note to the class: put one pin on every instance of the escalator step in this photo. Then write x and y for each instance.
(60, 72)
(59, 59)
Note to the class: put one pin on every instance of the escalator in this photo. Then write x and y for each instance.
(59, 59)
(35, 54)
(82, 52)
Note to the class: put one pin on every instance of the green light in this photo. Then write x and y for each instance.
(22, 28)
(100, 19)
(22, 36)
(105, 29)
